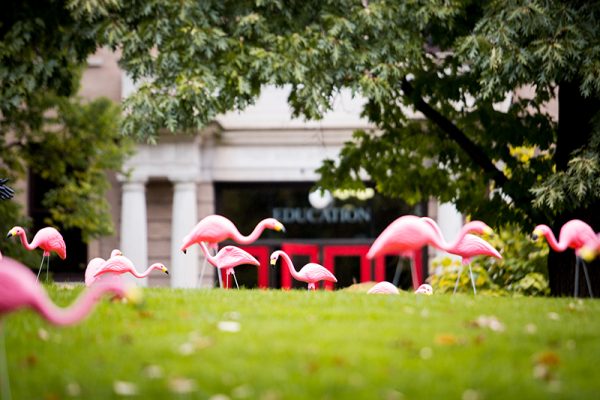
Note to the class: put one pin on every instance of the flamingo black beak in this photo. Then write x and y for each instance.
(9, 235)
(184, 251)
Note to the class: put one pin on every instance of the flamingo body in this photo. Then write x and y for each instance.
(216, 228)
(424, 289)
(19, 289)
(94, 266)
(410, 233)
(311, 273)
(573, 234)
(471, 246)
(119, 265)
(47, 239)
(230, 257)
(384, 287)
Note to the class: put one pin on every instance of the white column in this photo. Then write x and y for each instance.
(184, 267)
(134, 231)
(450, 222)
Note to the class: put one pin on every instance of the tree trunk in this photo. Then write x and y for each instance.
(574, 129)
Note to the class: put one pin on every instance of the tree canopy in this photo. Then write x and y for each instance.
(453, 62)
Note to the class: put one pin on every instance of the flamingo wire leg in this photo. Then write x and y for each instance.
(4, 366)
(398, 272)
(220, 278)
(457, 279)
(204, 263)
(413, 273)
(587, 278)
(37, 279)
(472, 280)
(202, 273)
(47, 267)
(235, 280)
(576, 292)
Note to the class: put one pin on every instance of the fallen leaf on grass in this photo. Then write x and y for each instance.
(242, 392)
(446, 339)
(545, 365)
(73, 389)
(43, 334)
(219, 396)
(530, 329)
(471, 394)
(181, 385)
(553, 316)
(490, 322)
(123, 388)
(153, 371)
(229, 326)
(30, 361)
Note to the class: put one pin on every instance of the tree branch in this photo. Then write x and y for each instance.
(454, 133)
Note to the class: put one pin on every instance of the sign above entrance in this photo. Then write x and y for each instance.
(331, 215)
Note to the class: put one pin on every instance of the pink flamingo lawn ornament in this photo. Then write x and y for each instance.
(311, 273)
(19, 289)
(214, 228)
(589, 251)
(227, 259)
(384, 287)
(467, 248)
(409, 233)
(47, 239)
(424, 289)
(119, 265)
(94, 266)
(574, 234)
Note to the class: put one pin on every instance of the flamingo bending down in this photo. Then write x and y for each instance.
(94, 266)
(384, 287)
(122, 265)
(409, 233)
(214, 228)
(573, 234)
(47, 239)
(311, 273)
(227, 259)
(469, 247)
(466, 247)
(19, 289)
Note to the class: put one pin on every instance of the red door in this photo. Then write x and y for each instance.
(332, 251)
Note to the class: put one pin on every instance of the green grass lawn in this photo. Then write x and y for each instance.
(295, 344)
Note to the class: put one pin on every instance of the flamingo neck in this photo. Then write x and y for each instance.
(258, 229)
(211, 259)
(461, 234)
(79, 310)
(148, 270)
(288, 261)
(557, 246)
(26, 244)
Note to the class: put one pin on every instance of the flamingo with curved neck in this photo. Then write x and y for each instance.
(311, 273)
(95, 264)
(216, 228)
(410, 233)
(573, 234)
(227, 259)
(47, 239)
(122, 265)
(19, 289)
